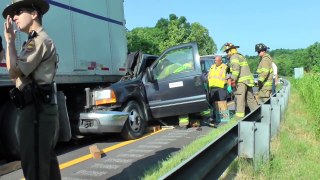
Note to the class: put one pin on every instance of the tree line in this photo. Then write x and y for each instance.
(177, 30)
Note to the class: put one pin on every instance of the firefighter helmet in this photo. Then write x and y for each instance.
(261, 47)
(227, 46)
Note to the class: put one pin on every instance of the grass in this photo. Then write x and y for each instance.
(294, 152)
(171, 162)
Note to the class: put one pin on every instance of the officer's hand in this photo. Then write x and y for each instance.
(9, 32)
(229, 89)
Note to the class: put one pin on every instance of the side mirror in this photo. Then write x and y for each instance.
(150, 76)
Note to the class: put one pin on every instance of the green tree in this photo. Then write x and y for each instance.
(145, 39)
(313, 59)
(253, 62)
(200, 34)
(168, 33)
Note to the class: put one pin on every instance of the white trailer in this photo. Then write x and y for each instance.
(90, 37)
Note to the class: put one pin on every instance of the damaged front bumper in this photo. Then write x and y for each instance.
(102, 122)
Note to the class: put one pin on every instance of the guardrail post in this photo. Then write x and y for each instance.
(285, 98)
(287, 93)
(254, 138)
(275, 116)
(263, 138)
(282, 104)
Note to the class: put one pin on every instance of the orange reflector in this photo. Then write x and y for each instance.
(110, 100)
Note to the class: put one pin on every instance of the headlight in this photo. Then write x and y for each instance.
(106, 96)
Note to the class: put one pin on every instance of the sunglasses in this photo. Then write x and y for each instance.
(18, 12)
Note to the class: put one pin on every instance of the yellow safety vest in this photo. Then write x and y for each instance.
(217, 76)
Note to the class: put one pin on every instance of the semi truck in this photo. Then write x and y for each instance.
(90, 38)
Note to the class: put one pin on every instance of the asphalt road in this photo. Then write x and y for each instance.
(122, 159)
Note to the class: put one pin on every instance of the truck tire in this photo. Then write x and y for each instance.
(9, 134)
(2, 111)
(135, 125)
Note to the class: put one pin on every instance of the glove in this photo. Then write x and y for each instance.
(229, 89)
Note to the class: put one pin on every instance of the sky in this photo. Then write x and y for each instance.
(280, 24)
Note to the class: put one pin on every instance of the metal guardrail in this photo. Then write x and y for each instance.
(249, 138)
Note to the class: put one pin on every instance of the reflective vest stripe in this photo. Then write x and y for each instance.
(180, 69)
(235, 61)
(240, 114)
(264, 70)
(235, 73)
(245, 63)
(243, 78)
(247, 78)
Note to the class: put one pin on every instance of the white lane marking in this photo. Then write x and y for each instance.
(105, 166)
(130, 155)
(118, 160)
(72, 178)
(91, 173)
(140, 150)
(162, 143)
(149, 146)
(165, 139)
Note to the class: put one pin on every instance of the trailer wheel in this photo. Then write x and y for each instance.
(135, 125)
(2, 152)
(9, 132)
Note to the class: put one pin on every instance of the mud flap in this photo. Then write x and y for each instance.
(64, 123)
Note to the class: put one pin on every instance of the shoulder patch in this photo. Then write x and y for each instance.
(31, 45)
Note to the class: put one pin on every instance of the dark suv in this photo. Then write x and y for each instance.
(153, 88)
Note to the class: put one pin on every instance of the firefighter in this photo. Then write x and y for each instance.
(217, 80)
(242, 79)
(33, 71)
(265, 72)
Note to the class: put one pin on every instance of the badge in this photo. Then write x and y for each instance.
(30, 46)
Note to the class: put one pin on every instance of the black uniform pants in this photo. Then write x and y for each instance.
(48, 167)
(217, 94)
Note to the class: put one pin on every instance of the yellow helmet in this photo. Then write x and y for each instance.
(228, 46)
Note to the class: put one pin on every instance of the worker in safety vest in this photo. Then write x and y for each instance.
(265, 72)
(217, 80)
(242, 80)
(176, 69)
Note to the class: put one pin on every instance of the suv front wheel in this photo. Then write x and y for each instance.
(136, 124)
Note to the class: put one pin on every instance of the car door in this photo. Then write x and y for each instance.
(177, 88)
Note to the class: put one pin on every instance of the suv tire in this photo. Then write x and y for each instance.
(135, 125)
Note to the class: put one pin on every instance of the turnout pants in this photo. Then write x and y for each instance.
(264, 94)
(48, 167)
(244, 94)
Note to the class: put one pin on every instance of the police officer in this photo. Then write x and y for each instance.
(33, 71)
(265, 72)
(242, 78)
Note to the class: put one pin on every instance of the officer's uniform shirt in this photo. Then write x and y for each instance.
(37, 59)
